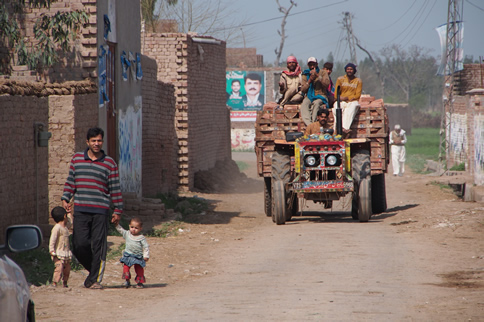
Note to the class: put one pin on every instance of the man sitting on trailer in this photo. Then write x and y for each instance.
(314, 83)
(350, 92)
(290, 83)
(322, 122)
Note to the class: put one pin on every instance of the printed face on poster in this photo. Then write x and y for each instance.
(245, 90)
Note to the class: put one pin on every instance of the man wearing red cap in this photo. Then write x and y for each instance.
(350, 92)
(290, 83)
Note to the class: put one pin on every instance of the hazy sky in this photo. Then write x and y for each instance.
(315, 28)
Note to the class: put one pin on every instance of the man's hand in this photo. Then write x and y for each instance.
(115, 218)
(67, 206)
(313, 74)
(146, 259)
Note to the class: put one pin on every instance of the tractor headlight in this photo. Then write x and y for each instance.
(332, 160)
(310, 161)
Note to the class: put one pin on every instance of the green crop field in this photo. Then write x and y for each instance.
(422, 145)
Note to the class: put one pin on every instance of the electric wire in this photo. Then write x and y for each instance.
(392, 24)
(280, 17)
(474, 5)
(418, 29)
(412, 23)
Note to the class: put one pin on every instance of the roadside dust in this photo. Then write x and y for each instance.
(446, 237)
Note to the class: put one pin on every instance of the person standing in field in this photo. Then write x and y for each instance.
(397, 141)
(93, 182)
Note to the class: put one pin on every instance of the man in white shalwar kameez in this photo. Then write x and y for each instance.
(397, 141)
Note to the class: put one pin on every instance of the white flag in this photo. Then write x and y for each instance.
(458, 33)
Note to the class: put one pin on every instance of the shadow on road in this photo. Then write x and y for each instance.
(400, 208)
(134, 286)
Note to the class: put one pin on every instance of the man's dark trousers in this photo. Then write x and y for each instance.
(89, 244)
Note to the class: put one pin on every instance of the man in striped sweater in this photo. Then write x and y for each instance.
(93, 181)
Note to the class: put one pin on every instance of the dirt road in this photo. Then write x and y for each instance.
(422, 260)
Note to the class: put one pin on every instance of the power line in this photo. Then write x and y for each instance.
(474, 5)
(275, 18)
(407, 27)
(392, 24)
(425, 19)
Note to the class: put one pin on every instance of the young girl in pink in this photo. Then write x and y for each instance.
(136, 253)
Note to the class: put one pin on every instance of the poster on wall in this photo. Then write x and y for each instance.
(242, 140)
(245, 90)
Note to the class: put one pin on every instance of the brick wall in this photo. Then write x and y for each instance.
(475, 121)
(159, 170)
(18, 178)
(400, 114)
(243, 58)
(66, 110)
(197, 72)
(78, 64)
(471, 77)
(458, 149)
(208, 120)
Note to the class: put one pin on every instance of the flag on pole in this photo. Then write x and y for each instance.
(457, 32)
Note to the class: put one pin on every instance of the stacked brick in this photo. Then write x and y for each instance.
(372, 122)
(197, 72)
(272, 124)
(150, 210)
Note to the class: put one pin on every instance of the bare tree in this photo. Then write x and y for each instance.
(377, 68)
(206, 17)
(148, 11)
(411, 70)
(282, 32)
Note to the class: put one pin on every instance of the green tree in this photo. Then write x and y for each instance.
(53, 33)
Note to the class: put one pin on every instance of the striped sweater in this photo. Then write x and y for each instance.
(93, 184)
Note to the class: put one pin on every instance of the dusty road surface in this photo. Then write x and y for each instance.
(422, 260)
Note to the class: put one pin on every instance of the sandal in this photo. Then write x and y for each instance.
(96, 286)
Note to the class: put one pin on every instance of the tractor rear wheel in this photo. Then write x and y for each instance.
(281, 175)
(361, 203)
(267, 197)
(279, 209)
(378, 193)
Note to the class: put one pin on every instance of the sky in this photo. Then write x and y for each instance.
(314, 27)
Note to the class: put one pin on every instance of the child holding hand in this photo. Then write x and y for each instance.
(59, 248)
(136, 253)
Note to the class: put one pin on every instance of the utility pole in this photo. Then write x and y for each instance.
(454, 16)
(351, 38)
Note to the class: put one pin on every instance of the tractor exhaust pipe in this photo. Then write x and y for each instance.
(339, 120)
